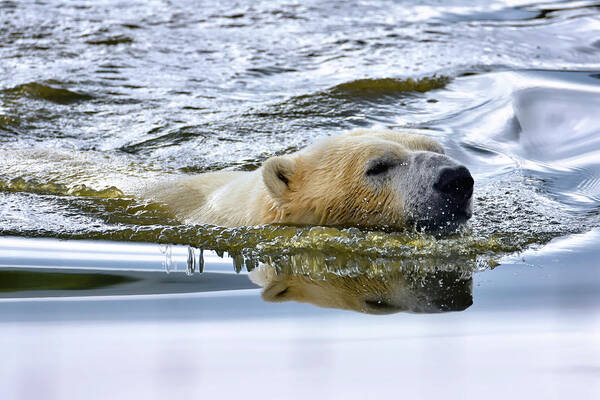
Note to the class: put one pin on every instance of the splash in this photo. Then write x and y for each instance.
(320, 250)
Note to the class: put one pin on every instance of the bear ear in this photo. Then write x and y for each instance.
(277, 292)
(277, 173)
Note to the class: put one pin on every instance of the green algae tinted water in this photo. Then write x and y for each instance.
(99, 98)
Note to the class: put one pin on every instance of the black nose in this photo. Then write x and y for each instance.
(455, 182)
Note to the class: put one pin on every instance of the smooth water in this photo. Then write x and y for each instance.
(97, 99)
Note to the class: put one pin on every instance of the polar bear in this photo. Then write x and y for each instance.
(365, 178)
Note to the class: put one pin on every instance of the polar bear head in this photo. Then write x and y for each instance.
(367, 178)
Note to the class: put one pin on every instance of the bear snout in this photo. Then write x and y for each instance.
(441, 199)
(455, 182)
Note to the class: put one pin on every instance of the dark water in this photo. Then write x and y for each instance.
(99, 98)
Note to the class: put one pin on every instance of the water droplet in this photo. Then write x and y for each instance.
(191, 261)
(201, 261)
(238, 262)
(168, 260)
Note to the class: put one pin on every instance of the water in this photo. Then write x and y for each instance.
(98, 99)
(534, 325)
(92, 108)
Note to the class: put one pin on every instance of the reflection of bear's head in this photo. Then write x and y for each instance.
(370, 178)
(383, 293)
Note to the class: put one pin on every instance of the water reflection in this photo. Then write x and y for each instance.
(31, 268)
(21, 281)
(386, 291)
(380, 285)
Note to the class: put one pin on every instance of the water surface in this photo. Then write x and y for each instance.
(99, 99)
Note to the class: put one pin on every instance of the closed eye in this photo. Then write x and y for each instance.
(379, 167)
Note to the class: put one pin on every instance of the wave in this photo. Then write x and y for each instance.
(40, 91)
(111, 41)
(388, 86)
(58, 189)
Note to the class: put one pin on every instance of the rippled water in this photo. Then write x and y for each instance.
(98, 98)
